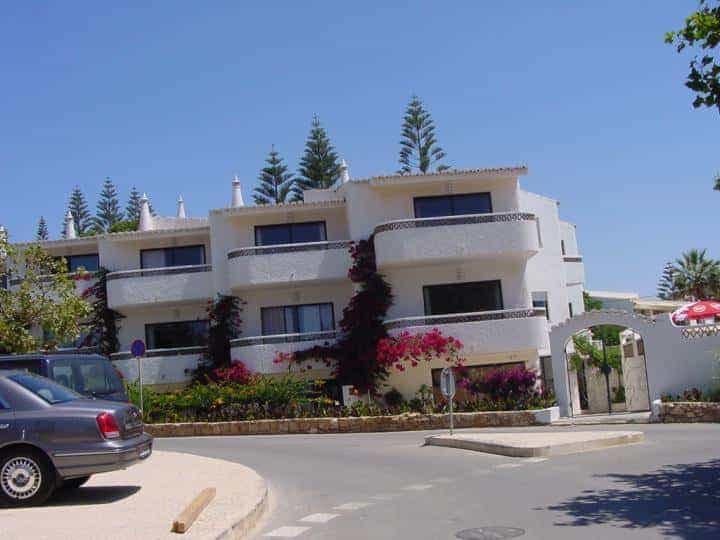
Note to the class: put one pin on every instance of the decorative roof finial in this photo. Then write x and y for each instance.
(237, 198)
(181, 208)
(146, 221)
(70, 231)
(344, 172)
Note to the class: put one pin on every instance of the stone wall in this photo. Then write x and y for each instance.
(687, 411)
(363, 424)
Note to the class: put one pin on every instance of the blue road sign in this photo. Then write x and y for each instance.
(137, 348)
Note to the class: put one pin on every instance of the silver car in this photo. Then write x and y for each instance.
(52, 437)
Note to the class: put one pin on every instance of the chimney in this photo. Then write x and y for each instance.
(344, 172)
(70, 226)
(181, 208)
(146, 221)
(237, 199)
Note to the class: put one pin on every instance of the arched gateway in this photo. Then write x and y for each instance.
(676, 358)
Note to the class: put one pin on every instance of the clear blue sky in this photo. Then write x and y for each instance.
(178, 96)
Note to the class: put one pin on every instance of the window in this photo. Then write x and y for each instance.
(562, 246)
(462, 297)
(173, 335)
(89, 376)
(299, 319)
(291, 233)
(453, 205)
(570, 309)
(172, 256)
(48, 390)
(540, 301)
(4, 282)
(31, 366)
(90, 262)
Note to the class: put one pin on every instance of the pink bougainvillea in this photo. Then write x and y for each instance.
(236, 373)
(408, 349)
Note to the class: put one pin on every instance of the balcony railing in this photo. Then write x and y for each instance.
(155, 353)
(288, 248)
(165, 271)
(284, 338)
(454, 318)
(420, 223)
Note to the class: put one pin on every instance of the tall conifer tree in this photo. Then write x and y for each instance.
(319, 165)
(132, 210)
(275, 182)
(108, 211)
(667, 289)
(419, 150)
(79, 209)
(42, 230)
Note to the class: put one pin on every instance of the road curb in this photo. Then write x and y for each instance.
(501, 447)
(242, 525)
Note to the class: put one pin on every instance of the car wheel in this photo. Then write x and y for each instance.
(74, 483)
(26, 478)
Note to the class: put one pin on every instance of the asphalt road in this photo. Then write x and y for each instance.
(387, 486)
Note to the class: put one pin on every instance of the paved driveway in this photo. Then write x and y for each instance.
(386, 486)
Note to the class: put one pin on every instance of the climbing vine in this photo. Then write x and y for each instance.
(103, 324)
(223, 314)
(361, 328)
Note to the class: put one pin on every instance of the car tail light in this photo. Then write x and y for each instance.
(108, 426)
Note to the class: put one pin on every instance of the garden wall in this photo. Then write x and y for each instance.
(362, 424)
(688, 411)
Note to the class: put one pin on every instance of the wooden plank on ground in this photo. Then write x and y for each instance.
(191, 512)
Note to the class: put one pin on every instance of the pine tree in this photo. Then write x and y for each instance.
(132, 210)
(42, 230)
(319, 165)
(108, 208)
(79, 209)
(418, 146)
(275, 182)
(666, 289)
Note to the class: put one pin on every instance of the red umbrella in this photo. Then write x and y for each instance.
(703, 309)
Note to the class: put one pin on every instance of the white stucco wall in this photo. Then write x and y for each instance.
(546, 271)
(407, 283)
(277, 269)
(429, 245)
(154, 290)
(368, 205)
(256, 299)
(132, 327)
(124, 254)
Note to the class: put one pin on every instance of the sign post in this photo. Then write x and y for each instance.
(447, 387)
(138, 351)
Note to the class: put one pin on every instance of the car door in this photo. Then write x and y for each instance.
(8, 426)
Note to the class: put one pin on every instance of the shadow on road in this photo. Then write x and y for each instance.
(91, 495)
(680, 500)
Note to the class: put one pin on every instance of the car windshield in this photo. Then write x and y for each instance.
(88, 376)
(45, 388)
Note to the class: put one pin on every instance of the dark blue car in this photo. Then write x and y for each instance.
(91, 375)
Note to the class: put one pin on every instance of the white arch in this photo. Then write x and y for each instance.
(674, 362)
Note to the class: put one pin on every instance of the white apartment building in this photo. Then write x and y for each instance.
(468, 252)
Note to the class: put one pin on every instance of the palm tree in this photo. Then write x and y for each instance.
(696, 275)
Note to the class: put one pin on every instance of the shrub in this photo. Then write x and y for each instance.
(693, 395)
(236, 373)
(514, 388)
(393, 398)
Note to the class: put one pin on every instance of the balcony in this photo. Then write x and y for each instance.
(574, 270)
(258, 353)
(160, 366)
(157, 286)
(484, 332)
(288, 264)
(456, 238)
